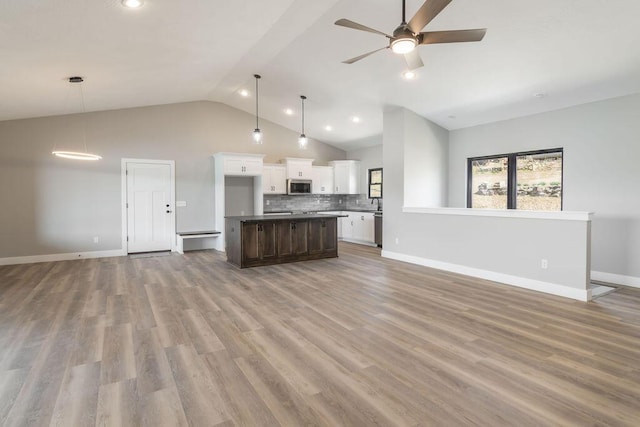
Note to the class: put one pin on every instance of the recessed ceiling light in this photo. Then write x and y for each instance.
(452, 117)
(328, 128)
(288, 111)
(132, 4)
(244, 93)
(540, 95)
(355, 119)
(409, 75)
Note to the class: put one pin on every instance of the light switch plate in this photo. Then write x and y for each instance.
(181, 204)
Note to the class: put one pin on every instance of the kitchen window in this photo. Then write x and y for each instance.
(375, 183)
(529, 180)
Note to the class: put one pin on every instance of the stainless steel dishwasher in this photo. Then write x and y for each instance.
(377, 220)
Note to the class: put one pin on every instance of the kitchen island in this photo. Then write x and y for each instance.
(259, 240)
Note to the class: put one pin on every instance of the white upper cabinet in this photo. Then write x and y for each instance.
(322, 180)
(240, 164)
(274, 179)
(298, 168)
(346, 176)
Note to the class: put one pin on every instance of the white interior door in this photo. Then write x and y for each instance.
(150, 210)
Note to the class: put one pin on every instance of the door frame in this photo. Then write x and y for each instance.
(172, 198)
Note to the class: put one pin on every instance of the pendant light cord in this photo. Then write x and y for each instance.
(84, 121)
(303, 98)
(257, 78)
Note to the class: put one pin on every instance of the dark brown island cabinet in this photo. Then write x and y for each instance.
(253, 241)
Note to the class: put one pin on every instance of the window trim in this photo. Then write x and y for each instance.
(512, 186)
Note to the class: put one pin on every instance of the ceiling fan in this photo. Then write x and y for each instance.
(407, 36)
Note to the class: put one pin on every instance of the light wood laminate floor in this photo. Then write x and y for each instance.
(358, 341)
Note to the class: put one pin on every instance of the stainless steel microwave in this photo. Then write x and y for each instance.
(298, 186)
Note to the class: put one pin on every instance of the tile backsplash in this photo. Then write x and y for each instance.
(318, 202)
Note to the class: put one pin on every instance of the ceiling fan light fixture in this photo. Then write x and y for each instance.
(409, 34)
(403, 45)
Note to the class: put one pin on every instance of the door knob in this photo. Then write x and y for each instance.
(168, 211)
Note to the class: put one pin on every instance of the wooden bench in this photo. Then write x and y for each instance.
(180, 237)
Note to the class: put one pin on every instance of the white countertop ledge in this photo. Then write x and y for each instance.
(503, 213)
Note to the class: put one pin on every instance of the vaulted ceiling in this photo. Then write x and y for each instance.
(538, 55)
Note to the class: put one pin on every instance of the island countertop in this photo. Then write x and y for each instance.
(258, 218)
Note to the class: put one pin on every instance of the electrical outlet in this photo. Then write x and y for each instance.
(340, 201)
(397, 241)
(96, 239)
(268, 202)
(357, 202)
(241, 213)
(181, 204)
(544, 264)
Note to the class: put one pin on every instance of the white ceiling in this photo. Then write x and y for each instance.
(571, 51)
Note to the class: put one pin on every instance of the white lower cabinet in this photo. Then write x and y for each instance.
(356, 227)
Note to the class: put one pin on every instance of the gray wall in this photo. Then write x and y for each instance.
(426, 147)
(483, 243)
(370, 158)
(55, 205)
(601, 144)
(238, 195)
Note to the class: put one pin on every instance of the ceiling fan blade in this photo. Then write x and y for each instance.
(429, 10)
(358, 58)
(356, 26)
(413, 59)
(454, 36)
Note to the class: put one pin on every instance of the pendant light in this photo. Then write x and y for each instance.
(257, 134)
(302, 139)
(78, 155)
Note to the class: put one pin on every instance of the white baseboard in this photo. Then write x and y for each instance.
(61, 257)
(521, 282)
(359, 242)
(616, 279)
